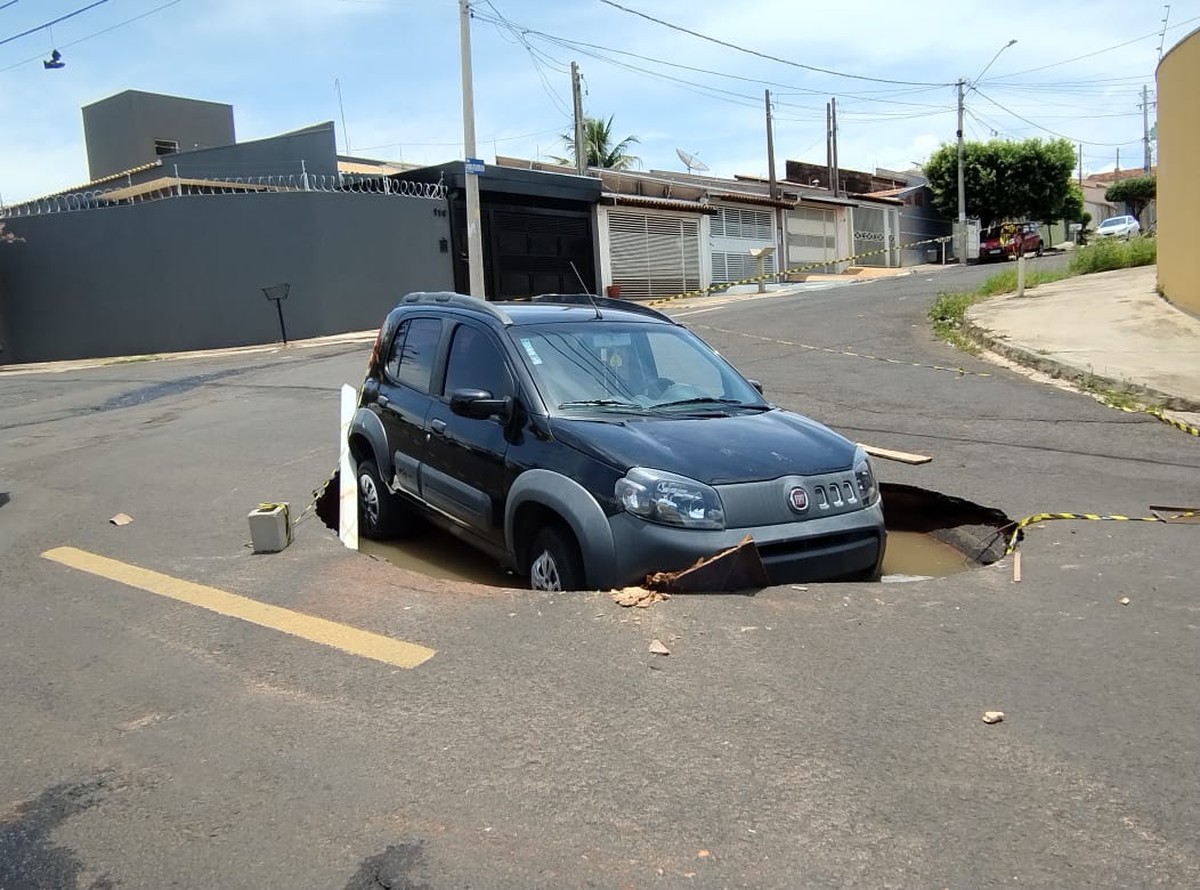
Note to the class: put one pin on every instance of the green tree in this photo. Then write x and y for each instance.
(601, 152)
(1007, 180)
(1135, 193)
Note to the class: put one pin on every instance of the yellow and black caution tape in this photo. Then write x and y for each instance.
(1169, 421)
(962, 372)
(1019, 526)
(808, 267)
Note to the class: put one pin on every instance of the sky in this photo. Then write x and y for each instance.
(1076, 70)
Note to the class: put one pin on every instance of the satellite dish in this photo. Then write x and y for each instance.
(691, 161)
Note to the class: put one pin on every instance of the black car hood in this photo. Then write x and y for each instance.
(716, 450)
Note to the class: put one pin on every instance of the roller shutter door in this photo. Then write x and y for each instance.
(654, 256)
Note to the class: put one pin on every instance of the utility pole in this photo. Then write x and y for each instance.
(474, 236)
(1146, 164)
(581, 149)
(1081, 165)
(1117, 169)
(962, 183)
(777, 211)
(837, 175)
(828, 148)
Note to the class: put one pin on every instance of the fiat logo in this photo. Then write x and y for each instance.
(798, 499)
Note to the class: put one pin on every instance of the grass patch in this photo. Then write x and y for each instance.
(1114, 398)
(948, 312)
(1109, 254)
(1005, 282)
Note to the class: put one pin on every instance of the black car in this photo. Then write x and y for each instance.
(586, 442)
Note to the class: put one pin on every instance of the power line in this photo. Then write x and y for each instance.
(61, 18)
(1098, 52)
(1047, 129)
(598, 51)
(762, 55)
(121, 24)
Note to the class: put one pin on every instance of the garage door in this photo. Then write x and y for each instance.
(532, 252)
(811, 237)
(654, 256)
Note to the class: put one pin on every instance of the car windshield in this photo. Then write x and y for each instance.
(1113, 222)
(630, 367)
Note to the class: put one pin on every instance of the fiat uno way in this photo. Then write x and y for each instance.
(585, 442)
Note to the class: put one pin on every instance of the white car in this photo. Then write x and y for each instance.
(1118, 227)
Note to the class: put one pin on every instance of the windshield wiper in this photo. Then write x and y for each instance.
(702, 400)
(601, 403)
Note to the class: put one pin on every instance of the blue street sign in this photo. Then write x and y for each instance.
(475, 166)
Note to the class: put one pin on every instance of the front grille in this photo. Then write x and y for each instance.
(802, 546)
(821, 557)
(835, 496)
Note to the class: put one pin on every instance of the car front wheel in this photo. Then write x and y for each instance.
(554, 562)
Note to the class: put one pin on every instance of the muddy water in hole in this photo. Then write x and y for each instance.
(915, 554)
(439, 555)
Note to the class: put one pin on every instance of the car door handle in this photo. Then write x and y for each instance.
(438, 425)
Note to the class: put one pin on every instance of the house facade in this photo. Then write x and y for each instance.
(173, 254)
(1178, 189)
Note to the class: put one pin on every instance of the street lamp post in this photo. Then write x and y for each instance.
(962, 181)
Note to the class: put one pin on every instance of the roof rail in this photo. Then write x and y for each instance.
(460, 301)
(603, 303)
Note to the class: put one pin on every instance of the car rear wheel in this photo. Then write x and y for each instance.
(1040, 249)
(554, 562)
(381, 515)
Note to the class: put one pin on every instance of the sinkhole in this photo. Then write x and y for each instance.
(930, 535)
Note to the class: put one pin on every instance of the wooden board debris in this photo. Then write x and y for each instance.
(904, 457)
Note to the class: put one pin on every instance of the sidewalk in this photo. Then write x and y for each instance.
(1110, 327)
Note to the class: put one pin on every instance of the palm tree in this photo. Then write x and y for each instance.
(601, 152)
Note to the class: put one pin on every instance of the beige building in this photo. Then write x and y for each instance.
(1178, 187)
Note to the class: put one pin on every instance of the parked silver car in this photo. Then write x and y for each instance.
(1118, 227)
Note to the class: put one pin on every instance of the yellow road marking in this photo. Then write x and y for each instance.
(317, 630)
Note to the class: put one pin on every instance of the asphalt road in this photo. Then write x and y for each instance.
(817, 737)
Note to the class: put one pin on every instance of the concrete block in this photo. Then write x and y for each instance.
(270, 528)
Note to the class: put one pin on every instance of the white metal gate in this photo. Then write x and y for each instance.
(735, 230)
(811, 237)
(654, 256)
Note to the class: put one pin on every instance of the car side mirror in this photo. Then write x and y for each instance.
(757, 385)
(479, 404)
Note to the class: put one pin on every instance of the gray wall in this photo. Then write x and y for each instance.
(312, 150)
(184, 273)
(120, 130)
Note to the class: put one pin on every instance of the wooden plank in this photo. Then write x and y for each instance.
(904, 457)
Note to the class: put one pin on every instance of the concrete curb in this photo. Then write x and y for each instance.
(1071, 374)
(86, 364)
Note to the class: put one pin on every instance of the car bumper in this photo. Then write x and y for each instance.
(848, 545)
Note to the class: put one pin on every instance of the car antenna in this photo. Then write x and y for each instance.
(583, 288)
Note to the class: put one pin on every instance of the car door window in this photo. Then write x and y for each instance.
(413, 351)
(476, 363)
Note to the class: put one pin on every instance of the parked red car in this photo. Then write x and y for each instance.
(1009, 240)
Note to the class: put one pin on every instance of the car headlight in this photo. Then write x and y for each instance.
(668, 499)
(864, 474)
